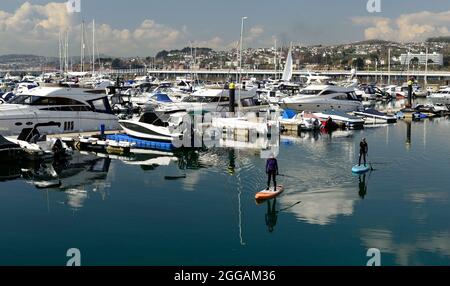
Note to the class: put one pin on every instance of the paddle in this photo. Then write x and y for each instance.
(285, 209)
(370, 163)
(281, 175)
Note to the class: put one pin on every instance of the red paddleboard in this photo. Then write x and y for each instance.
(270, 194)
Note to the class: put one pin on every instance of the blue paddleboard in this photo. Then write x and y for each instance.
(360, 169)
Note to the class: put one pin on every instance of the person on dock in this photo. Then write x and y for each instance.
(272, 171)
(363, 151)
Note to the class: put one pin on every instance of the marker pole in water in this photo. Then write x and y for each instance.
(232, 93)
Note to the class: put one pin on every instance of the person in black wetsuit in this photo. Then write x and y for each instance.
(272, 172)
(363, 151)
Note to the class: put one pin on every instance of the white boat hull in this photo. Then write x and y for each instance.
(12, 122)
(147, 131)
(320, 106)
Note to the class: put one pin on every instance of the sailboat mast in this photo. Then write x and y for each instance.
(93, 47)
(66, 55)
(82, 47)
(426, 70)
(275, 60)
(389, 67)
(60, 53)
(409, 60)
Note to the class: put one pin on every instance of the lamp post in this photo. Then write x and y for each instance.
(240, 56)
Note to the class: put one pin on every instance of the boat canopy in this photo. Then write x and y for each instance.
(162, 97)
(289, 114)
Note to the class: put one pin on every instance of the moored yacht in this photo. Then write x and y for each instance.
(151, 126)
(441, 97)
(211, 100)
(75, 110)
(316, 98)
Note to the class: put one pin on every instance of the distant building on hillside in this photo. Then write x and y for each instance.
(433, 59)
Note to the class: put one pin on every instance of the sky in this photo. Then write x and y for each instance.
(144, 27)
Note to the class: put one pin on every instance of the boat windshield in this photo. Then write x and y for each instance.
(204, 99)
(43, 100)
(310, 91)
(346, 96)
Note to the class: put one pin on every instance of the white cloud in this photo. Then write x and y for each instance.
(407, 252)
(31, 27)
(35, 29)
(213, 43)
(254, 33)
(407, 27)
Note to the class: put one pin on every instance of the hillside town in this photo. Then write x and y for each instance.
(366, 55)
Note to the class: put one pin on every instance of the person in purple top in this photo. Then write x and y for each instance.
(272, 171)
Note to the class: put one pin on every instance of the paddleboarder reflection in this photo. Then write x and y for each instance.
(362, 186)
(271, 215)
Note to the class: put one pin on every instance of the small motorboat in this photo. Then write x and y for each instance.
(374, 116)
(432, 109)
(339, 117)
(36, 146)
(307, 121)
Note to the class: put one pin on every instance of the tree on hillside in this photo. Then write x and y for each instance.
(162, 55)
(117, 64)
(358, 63)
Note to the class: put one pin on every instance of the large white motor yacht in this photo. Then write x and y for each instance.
(316, 98)
(75, 109)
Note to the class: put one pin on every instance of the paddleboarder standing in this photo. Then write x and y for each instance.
(363, 150)
(272, 171)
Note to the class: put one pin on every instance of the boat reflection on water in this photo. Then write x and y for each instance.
(75, 177)
(10, 172)
(408, 133)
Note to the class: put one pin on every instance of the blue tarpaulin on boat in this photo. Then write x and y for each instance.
(289, 114)
(161, 97)
(142, 144)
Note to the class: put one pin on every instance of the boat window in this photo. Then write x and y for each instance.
(152, 118)
(22, 99)
(310, 91)
(352, 96)
(55, 101)
(67, 108)
(247, 102)
(327, 92)
(101, 105)
(369, 90)
(341, 97)
(42, 100)
(201, 99)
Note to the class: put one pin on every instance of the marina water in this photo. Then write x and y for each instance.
(144, 212)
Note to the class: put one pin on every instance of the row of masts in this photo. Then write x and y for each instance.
(64, 53)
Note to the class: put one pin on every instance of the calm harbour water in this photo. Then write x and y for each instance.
(128, 213)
